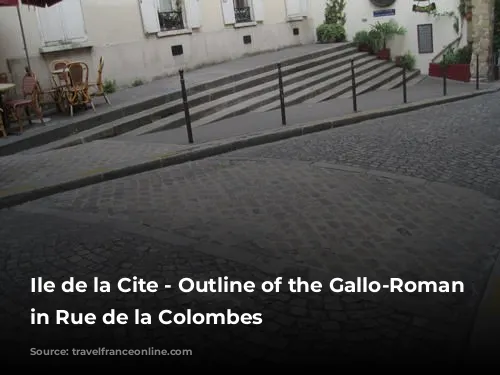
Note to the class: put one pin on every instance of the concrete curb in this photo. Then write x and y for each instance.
(224, 146)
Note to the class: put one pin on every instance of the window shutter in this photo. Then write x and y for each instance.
(193, 13)
(304, 7)
(293, 8)
(51, 27)
(149, 13)
(72, 19)
(258, 10)
(228, 12)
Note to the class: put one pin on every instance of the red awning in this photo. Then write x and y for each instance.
(36, 3)
(8, 3)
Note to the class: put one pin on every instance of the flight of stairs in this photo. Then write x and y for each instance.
(311, 78)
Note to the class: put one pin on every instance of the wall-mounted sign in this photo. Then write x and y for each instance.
(426, 7)
(382, 3)
(384, 12)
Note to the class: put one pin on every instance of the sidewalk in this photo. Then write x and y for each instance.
(123, 99)
(31, 176)
(302, 113)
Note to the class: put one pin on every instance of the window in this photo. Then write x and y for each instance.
(425, 38)
(170, 15)
(296, 9)
(166, 16)
(242, 11)
(62, 23)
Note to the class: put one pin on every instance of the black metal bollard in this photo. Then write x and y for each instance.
(445, 72)
(186, 107)
(405, 99)
(282, 94)
(353, 78)
(477, 71)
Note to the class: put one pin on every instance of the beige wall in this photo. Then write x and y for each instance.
(115, 31)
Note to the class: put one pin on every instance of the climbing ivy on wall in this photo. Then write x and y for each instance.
(334, 12)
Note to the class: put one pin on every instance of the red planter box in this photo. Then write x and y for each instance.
(364, 48)
(384, 54)
(457, 72)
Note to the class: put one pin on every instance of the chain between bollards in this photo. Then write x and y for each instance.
(186, 107)
(445, 73)
(282, 95)
(477, 71)
(405, 99)
(353, 78)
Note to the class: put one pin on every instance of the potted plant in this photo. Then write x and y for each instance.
(374, 41)
(331, 33)
(387, 31)
(407, 61)
(456, 64)
(398, 60)
(362, 40)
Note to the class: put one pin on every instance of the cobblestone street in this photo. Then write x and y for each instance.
(414, 196)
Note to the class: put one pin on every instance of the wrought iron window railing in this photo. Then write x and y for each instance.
(243, 14)
(171, 21)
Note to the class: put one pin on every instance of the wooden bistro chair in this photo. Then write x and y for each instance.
(78, 90)
(4, 78)
(59, 83)
(31, 101)
(99, 84)
(2, 126)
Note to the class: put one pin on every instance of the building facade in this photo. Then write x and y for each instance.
(147, 39)
(427, 33)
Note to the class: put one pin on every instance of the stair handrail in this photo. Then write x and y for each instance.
(452, 43)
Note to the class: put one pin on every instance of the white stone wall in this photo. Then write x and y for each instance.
(115, 31)
(360, 17)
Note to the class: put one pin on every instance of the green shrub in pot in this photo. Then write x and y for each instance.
(362, 40)
(331, 33)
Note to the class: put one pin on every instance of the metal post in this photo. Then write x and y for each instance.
(282, 95)
(353, 78)
(445, 72)
(405, 99)
(186, 107)
(23, 35)
(477, 71)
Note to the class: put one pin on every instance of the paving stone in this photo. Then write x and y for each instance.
(295, 219)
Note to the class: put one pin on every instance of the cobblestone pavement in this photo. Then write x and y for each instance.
(68, 164)
(251, 218)
(457, 143)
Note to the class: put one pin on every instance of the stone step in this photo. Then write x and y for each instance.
(225, 95)
(412, 78)
(376, 82)
(340, 83)
(253, 99)
(145, 105)
(362, 77)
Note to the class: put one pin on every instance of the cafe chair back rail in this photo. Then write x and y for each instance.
(98, 85)
(78, 90)
(31, 101)
(2, 126)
